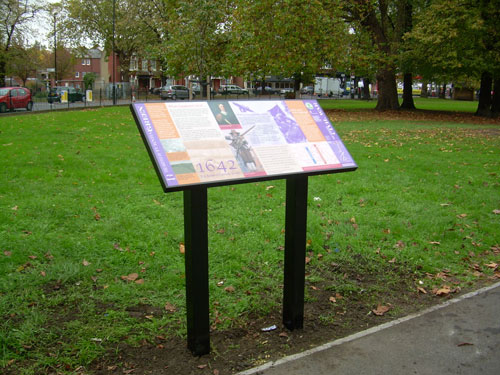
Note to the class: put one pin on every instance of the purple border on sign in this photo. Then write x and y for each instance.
(155, 145)
(329, 133)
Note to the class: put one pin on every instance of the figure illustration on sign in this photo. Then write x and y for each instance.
(243, 150)
(289, 127)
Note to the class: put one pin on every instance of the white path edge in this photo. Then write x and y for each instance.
(367, 332)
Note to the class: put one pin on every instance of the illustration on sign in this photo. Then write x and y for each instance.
(202, 142)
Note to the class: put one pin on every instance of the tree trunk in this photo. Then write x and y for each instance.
(387, 90)
(2, 71)
(366, 88)
(203, 88)
(424, 93)
(442, 93)
(495, 103)
(408, 92)
(484, 105)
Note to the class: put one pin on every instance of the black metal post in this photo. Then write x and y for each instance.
(55, 51)
(196, 263)
(113, 52)
(295, 252)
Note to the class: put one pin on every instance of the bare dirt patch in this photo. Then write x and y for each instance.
(328, 315)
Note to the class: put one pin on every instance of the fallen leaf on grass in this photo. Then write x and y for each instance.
(170, 308)
(140, 281)
(421, 290)
(400, 245)
(332, 299)
(381, 310)
(116, 246)
(465, 344)
(131, 277)
(492, 265)
(443, 291)
(85, 263)
(202, 366)
(308, 260)
(461, 216)
(496, 212)
(42, 273)
(182, 248)
(229, 289)
(7, 253)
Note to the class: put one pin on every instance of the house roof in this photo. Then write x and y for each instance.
(93, 53)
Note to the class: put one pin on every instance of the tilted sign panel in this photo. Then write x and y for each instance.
(222, 142)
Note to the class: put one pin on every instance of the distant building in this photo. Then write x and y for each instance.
(144, 74)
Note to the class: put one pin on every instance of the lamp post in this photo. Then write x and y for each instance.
(55, 50)
(113, 52)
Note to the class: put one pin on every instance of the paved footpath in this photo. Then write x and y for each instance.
(460, 336)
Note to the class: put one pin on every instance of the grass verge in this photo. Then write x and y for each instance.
(91, 256)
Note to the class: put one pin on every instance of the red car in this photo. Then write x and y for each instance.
(12, 98)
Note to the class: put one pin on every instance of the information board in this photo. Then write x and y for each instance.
(223, 142)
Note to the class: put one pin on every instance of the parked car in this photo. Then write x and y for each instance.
(174, 92)
(12, 98)
(74, 95)
(267, 90)
(286, 90)
(307, 90)
(232, 89)
(197, 89)
(155, 90)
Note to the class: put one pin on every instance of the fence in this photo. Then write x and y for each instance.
(103, 97)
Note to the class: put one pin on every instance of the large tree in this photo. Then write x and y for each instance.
(24, 61)
(197, 38)
(385, 21)
(459, 41)
(292, 38)
(14, 18)
(93, 20)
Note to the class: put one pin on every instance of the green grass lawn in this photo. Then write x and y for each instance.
(432, 104)
(87, 234)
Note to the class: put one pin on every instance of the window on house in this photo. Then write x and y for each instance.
(153, 65)
(133, 63)
(88, 61)
(144, 65)
(83, 61)
(77, 75)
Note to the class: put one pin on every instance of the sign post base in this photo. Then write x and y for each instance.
(196, 263)
(295, 249)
